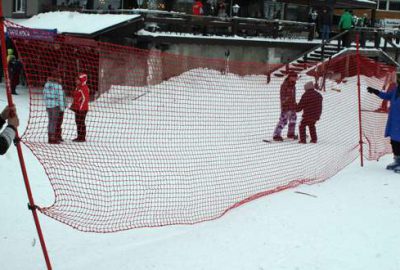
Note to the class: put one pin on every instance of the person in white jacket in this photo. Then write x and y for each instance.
(54, 98)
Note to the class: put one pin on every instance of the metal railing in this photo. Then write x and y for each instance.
(163, 21)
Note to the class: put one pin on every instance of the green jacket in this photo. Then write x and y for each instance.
(346, 21)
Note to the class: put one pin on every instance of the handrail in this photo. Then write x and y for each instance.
(389, 39)
(336, 37)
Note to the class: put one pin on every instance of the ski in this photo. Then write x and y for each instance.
(284, 140)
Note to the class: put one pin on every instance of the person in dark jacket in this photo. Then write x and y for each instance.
(14, 68)
(326, 23)
(288, 108)
(311, 105)
(9, 114)
(393, 123)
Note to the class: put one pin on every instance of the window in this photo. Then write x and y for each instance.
(394, 6)
(382, 5)
(19, 6)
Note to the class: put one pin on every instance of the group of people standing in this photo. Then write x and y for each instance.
(55, 101)
(310, 103)
(209, 8)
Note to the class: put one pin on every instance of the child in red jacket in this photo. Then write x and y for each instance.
(311, 105)
(197, 8)
(80, 106)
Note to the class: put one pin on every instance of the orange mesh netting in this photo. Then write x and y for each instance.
(174, 139)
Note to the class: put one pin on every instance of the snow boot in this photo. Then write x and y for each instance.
(293, 137)
(397, 169)
(395, 164)
(277, 138)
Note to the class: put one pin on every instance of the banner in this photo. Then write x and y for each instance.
(30, 33)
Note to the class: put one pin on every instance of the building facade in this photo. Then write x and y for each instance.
(24, 8)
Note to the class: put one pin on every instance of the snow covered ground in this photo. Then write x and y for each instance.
(351, 222)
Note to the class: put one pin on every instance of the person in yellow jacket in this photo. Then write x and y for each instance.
(10, 55)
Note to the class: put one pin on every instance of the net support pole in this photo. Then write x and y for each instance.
(32, 206)
(359, 100)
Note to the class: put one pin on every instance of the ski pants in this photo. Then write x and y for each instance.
(395, 148)
(311, 126)
(80, 117)
(286, 116)
(55, 122)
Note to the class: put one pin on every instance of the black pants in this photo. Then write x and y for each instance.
(346, 40)
(59, 125)
(395, 147)
(80, 117)
(311, 127)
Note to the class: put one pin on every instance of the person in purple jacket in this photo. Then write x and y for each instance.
(393, 121)
(311, 105)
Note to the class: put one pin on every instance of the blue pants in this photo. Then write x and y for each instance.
(326, 29)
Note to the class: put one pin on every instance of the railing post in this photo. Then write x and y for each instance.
(311, 31)
(275, 27)
(377, 39)
(359, 102)
(235, 24)
(323, 51)
(385, 44)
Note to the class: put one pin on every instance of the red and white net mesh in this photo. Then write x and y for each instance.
(178, 140)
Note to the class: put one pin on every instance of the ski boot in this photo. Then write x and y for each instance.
(395, 164)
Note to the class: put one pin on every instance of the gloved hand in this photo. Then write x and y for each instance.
(13, 121)
(7, 112)
(373, 90)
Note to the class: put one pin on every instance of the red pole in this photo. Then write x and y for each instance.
(32, 206)
(359, 101)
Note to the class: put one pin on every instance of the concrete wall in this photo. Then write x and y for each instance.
(270, 55)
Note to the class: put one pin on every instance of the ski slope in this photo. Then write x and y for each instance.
(349, 222)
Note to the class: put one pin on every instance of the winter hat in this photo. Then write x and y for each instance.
(309, 85)
(82, 78)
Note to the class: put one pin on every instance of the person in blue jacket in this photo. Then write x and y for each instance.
(393, 122)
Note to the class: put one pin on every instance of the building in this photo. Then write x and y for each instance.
(24, 8)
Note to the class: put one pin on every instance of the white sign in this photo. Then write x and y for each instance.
(391, 23)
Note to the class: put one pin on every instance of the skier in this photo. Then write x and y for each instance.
(80, 106)
(393, 122)
(9, 114)
(55, 106)
(311, 105)
(288, 108)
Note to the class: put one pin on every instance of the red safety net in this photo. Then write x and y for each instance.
(172, 139)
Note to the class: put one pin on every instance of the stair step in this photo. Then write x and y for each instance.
(301, 63)
(317, 55)
(315, 59)
(308, 62)
(326, 52)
